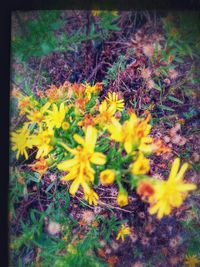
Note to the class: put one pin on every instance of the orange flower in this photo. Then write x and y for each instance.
(80, 103)
(88, 120)
(145, 189)
(130, 111)
(171, 58)
(40, 93)
(40, 166)
(101, 253)
(99, 85)
(112, 260)
(174, 32)
(79, 90)
(15, 92)
(160, 147)
(82, 223)
(51, 93)
(24, 103)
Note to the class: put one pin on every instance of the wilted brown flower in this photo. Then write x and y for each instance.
(148, 50)
(146, 73)
(150, 84)
(88, 216)
(173, 74)
(54, 228)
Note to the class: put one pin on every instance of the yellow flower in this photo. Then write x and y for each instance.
(56, 117)
(92, 89)
(65, 125)
(21, 140)
(133, 133)
(91, 197)
(122, 198)
(114, 12)
(71, 249)
(105, 115)
(107, 177)
(141, 165)
(37, 115)
(171, 193)
(116, 130)
(65, 238)
(42, 142)
(122, 232)
(113, 100)
(146, 145)
(96, 12)
(191, 261)
(79, 167)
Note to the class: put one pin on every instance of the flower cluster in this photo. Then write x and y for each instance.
(93, 142)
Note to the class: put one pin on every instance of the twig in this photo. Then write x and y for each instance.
(84, 202)
(103, 204)
(114, 42)
(18, 86)
(25, 159)
(40, 204)
(22, 210)
(38, 75)
(20, 119)
(113, 207)
(94, 71)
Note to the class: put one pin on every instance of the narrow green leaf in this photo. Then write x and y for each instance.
(174, 99)
(49, 187)
(165, 107)
(33, 177)
(158, 88)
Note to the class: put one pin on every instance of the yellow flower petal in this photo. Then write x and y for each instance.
(74, 186)
(98, 158)
(128, 147)
(90, 138)
(174, 169)
(79, 139)
(181, 172)
(68, 177)
(67, 164)
(187, 187)
(86, 187)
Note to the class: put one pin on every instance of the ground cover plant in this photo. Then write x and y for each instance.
(104, 139)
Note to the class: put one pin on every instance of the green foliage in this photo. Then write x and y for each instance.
(46, 34)
(106, 24)
(113, 71)
(54, 250)
(82, 254)
(183, 35)
(108, 226)
(192, 232)
(37, 37)
(67, 248)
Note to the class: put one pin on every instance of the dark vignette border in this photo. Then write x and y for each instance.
(5, 28)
